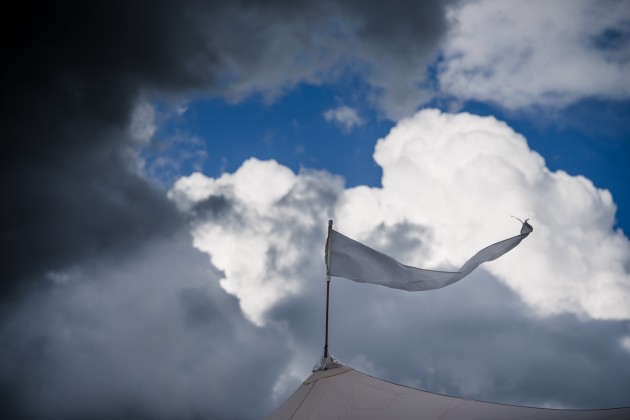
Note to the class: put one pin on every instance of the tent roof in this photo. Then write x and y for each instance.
(346, 393)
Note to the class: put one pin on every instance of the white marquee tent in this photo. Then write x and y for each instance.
(344, 393)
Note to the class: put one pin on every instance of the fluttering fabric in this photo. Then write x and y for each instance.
(348, 258)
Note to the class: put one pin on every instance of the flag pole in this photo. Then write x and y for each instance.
(328, 244)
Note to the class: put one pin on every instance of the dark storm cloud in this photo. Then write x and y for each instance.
(153, 336)
(72, 76)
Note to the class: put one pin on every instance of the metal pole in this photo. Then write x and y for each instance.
(328, 244)
(327, 303)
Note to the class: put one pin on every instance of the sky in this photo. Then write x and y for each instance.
(169, 169)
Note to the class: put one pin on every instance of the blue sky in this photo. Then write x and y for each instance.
(588, 138)
(169, 171)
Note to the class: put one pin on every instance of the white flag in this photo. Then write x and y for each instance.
(348, 258)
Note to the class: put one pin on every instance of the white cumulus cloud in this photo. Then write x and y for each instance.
(461, 175)
(256, 225)
(519, 54)
(450, 183)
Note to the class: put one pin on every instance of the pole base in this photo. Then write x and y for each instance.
(326, 363)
